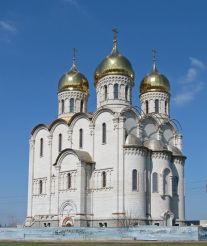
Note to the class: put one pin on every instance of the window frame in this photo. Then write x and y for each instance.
(80, 138)
(116, 91)
(104, 133)
(134, 180)
(41, 147)
(103, 179)
(155, 182)
(72, 105)
(60, 139)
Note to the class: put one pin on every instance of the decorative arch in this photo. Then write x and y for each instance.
(55, 123)
(100, 111)
(37, 128)
(67, 213)
(132, 110)
(77, 117)
(167, 182)
(81, 155)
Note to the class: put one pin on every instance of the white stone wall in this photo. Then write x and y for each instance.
(135, 200)
(124, 99)
(163, 102)
(160, 201)
(64, 103)
(88, 198)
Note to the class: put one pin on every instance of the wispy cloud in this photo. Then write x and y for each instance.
(191, 83)
(76, 4)
(7, 29)
(7, 26)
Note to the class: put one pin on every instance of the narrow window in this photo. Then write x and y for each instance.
(157, 106)
(62, 106)
(134, 179)
(175, 185)
(40, 187)
(104, 133)
(147, 107)
(81, 138)
(41, 147)
(60, 143)
(154, 183)
(126, 92)
(69, 180)
(125, 134)
(72, 105)
(166, 181)
(105, 92)
(104, 179)
(81, 106)
(165, 107)
(116, 91)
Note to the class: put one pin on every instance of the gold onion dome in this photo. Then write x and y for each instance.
(154, 82)
(73, 80)
(115, 63)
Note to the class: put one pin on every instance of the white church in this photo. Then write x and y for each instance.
(117, 165)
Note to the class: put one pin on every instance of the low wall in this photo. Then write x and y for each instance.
(193, 233)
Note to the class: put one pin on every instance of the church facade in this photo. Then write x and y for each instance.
(117, 166)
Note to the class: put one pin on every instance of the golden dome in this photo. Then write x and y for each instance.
(73, 80)
(115, 63)
(154, 82)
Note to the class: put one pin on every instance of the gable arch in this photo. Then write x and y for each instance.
(150, 126)
(82, 156)
(102, 110)
(132, 110)
(37, 128)
(56, 123)
(78, 116)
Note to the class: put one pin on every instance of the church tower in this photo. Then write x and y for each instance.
(73, 92)
(155, 92)
(114, 80)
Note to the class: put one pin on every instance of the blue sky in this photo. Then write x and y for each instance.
(36, 41)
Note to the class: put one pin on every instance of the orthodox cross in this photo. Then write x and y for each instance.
(114, 30)
(154, 55)
(74, 56)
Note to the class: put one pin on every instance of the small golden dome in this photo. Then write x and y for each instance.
(115, 63)
(73, 80)
(154, 82)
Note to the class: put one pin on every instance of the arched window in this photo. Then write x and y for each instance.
(157, 106)
(165, 107)
(41, 147)
(62, 106)
(104, 133)
(40, 187)
(166, 182)
(69, 180)
(81, 106)
(154, 182)
(72, 105)
(60, 142)
(103, 179)
(116, 91)
(175, 185)
(81, 138)
(105, 92)
(125, 134)
(147, 107)
(134, 179)
(126, 92)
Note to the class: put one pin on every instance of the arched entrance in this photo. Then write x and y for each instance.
(168, 218)
(67, 222)
(67, 214)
